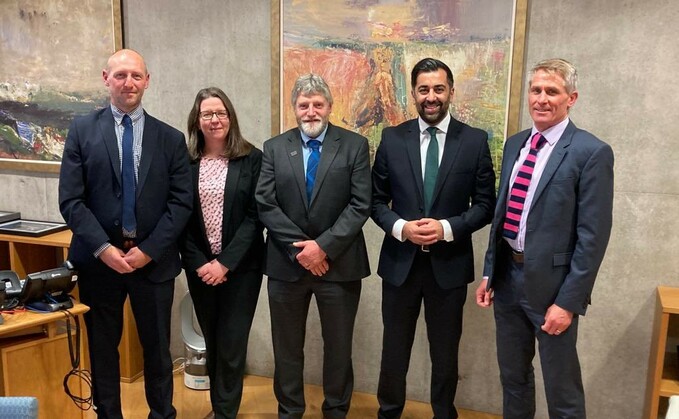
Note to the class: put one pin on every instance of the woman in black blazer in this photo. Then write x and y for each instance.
(222, 247)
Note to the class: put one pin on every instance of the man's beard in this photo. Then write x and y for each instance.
(433, 118)
(314, 128)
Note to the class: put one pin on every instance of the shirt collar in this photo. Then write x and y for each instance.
(320, 138)
(135, 114)
(442, 125)
(553, 133)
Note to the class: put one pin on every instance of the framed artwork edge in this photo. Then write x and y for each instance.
(515, 77)
(48, 228)
(53, 167)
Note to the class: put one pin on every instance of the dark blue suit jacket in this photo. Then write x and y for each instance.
(464, 195)
(568, 225)
(90, 192)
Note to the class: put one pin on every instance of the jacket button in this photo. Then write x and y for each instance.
(116, 223)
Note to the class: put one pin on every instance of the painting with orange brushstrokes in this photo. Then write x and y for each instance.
(365, 50)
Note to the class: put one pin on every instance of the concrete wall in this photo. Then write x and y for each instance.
(625, 53)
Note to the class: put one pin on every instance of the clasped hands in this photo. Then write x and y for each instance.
(312, 257)
(213, 272)
(122, 262)
(423, 232)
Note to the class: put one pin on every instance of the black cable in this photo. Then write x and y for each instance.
(83, 403)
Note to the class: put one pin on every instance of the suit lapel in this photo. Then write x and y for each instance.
(232, 178)
(412, 142)
(148, 148)
(511, 154)
(331, 144)
(294, 151)
(450, 151)
(555, 159)
(108, 132)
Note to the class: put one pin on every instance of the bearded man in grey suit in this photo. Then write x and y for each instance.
(313, 196)
(547, 240)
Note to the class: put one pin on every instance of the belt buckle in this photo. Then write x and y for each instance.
(129, 243)
(424, 248)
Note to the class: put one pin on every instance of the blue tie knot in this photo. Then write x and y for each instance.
(432, 131)
(314, 145)
(127, 121)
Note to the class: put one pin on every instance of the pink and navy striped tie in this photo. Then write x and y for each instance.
(517, 195)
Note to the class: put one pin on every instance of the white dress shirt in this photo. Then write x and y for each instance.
(425, 138)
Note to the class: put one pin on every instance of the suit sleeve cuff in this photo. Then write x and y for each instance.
(101, 249)
(397, 229)
(447, 231)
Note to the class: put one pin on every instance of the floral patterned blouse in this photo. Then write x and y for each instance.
(211, 182)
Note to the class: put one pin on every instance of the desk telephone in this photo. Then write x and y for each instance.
(42, 291)
(10, 289)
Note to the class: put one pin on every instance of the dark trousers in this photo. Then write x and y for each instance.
(337, 305)
(105, 293)
(443, 316)
(225, 314)
(517, 328)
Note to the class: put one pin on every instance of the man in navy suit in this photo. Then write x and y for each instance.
(547, 240)
(433, 186)
(126, 205)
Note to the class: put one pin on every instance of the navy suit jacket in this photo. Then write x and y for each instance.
(568, 225)
(90, 192)
(340, 204)
(464, 195)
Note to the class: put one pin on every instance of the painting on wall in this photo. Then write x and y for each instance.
(53, 53)
(365, 50)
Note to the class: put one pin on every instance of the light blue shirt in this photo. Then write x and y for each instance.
(552, 135)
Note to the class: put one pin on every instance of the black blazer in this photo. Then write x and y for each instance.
(464, 195)
(569, 222)
(242, 238)
(90, 192)
(340, 204)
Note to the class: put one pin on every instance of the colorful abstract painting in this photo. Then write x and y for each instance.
(52, 53)
(365, 50)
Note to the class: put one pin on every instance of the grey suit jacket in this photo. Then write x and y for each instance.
(340, 204)
(568, 225)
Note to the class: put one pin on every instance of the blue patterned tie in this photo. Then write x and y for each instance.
(431, 168)
(311, 166)
(129, 184)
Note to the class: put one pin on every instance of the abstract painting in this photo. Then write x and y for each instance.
(365, 50)
(53, 53)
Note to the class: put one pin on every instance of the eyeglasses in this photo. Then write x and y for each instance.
(209, 114)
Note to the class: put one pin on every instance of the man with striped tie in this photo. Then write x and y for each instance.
(547, 240)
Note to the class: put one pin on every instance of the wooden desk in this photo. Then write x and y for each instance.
(34, 359)
(20, 321)
(25, 254)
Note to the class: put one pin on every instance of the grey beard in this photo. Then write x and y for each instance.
(312, 129)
